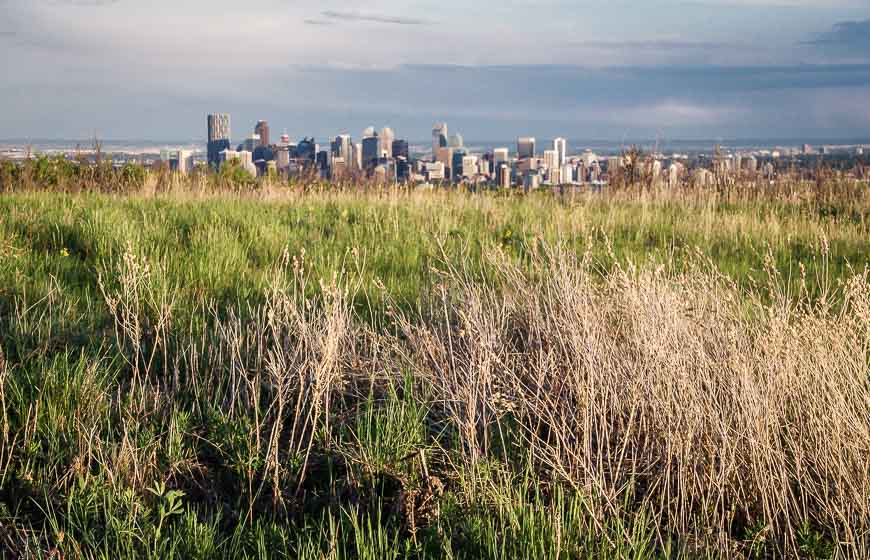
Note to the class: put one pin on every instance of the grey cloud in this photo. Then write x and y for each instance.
(845, 37)
(375, 18)
(316, 22)
(484, 102)
(650, 44)
(85, 3)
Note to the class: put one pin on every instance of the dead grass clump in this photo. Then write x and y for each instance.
(732, 419)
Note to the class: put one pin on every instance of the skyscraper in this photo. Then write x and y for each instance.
(503, 176)
(342, 147)
(387, 136)
(403, 169)
(525, 148)
(400, 149)
(371, 151)
(357, 156)
(561, 147)
(218, 137)
(456, 169)
(551, 159)
(499, 156)
(456, 141)
(251, 143)
(306, 150)
(439, 138)
(262, 129)
(445, 156)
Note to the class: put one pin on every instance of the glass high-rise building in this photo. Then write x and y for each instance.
(342, 147)
(561, 147)
(525, 148)
(456, 165)
(439, 138)
(262, 129)
(387, 136)
(371, 151)
(218, 137)
(400, 149)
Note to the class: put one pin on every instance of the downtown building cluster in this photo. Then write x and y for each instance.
(378, 154)
(382, 157)
(527, 166)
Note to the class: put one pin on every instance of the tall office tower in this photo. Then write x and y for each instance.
(342, 147)
(387, 136)
(252, 143)
(503, 176)
(400, 149)
(371, 151)
(403, 169)
(551, 159)
(306, 150)
(561, 147)
(439, 138)
(322, 162)
(445, 156)
(525, 148)
(218, 127)
(357, 156)
(499, 156)
(262, 129)
(282, 157)
(218, 137)
(456, 168)
(456, 141)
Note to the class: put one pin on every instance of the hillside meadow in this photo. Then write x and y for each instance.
(400, 373)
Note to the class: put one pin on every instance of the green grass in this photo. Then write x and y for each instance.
(100, 462)
(224, 248)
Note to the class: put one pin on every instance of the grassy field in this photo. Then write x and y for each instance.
(397, 374)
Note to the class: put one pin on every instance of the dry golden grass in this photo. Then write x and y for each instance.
(675, 392)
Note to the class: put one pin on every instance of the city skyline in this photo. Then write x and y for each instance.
(382, 157)
(593, 69)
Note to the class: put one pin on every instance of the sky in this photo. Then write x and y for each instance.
(585, 69)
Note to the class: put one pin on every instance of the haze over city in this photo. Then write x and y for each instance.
(592, 69)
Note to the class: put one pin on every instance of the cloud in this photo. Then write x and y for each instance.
(376, 18)
(845, 37)
(678, 113)
(483, 102)
(656, 44)
(85, 3)
(317, 22)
